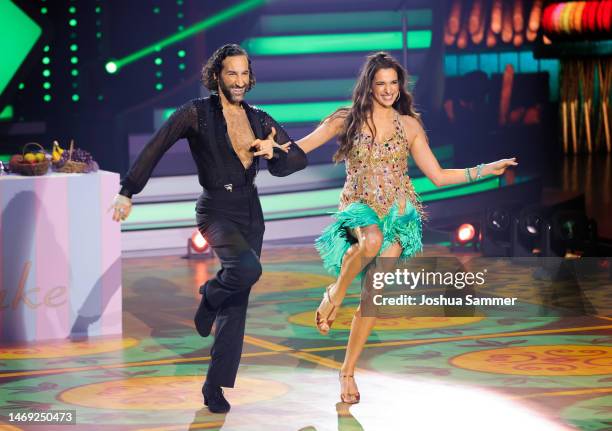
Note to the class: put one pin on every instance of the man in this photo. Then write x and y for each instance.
(226, 137)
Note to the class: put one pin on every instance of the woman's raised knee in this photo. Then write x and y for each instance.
(371, 242)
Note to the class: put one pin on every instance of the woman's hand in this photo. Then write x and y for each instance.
(499, 167)
(122, 206)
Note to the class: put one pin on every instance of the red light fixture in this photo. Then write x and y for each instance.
(465, 233)
(197, 246)
(198, 243)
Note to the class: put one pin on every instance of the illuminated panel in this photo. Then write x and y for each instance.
(327, 43)
(18, 35)
(344, 21)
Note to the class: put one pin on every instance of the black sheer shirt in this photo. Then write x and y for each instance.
(201, 122)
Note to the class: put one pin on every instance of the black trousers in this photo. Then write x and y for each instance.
(232, 223)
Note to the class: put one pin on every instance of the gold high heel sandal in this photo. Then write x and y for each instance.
(324, 323)
(356, 395)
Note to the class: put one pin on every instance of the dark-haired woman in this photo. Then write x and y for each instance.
(379, 213)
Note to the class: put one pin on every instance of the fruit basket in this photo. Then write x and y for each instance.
(30, 163)
(73, 161)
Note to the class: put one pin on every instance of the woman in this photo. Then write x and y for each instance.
(379, 213)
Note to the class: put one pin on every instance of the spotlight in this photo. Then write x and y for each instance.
(198, 242)
(111, 67)
(532, 225)
(528, 232)
(498, 220)
(465, 237)
(571, 232)
(496, 230)
(465, 233)
(197, 246)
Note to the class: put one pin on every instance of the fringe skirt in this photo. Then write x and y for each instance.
(404, 229)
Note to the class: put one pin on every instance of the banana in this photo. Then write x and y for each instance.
(57, 151)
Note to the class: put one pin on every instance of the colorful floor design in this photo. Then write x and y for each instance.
(545, 373)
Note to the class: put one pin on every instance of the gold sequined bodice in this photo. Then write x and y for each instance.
(377, 173)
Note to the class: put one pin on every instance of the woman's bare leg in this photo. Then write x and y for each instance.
(369, 240)
(361, 327)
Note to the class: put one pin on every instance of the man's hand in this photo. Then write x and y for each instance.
(265, 147)
(122, 206)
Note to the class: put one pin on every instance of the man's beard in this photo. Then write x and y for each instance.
(227, 91)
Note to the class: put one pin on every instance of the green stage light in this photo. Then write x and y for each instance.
(7, 113)
(46, 85)
(46, 73)
(74, 47)
(98, 9)
(74, 72)
(75, 97)
(21, 86)
(181, 53)
(18, 35)
(46, 60)
(158, 74)
(74, 60)
(158, 61)
(326, 43)
(47, 98)
(44, 10)
(159, 86)
(181, 66)
(156, 10)
(111, 67)
(72, 9)
(72, 22)
(219, 18)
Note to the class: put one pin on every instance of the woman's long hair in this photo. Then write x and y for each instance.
(361, 111)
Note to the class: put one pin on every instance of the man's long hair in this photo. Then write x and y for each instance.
(361, 112)
(212, 69)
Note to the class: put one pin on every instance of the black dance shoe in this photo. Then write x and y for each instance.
(214, 399)
(204, 317)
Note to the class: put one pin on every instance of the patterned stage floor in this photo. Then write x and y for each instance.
(416, 373)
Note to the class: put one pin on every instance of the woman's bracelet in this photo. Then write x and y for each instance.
(468, 175)
(479, 171)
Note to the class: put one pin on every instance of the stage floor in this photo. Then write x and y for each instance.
(416, 373)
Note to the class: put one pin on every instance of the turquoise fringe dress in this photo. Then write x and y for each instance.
(404, 229)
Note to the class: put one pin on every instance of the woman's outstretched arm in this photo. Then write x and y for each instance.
(329, 128)
(428, 164)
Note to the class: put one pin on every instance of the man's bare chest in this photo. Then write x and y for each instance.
(241, 135)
